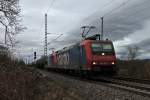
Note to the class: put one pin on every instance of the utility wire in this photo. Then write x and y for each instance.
(139, 4)
(123, 4)
(109, 3)
(104, 6)
(137, 12)
(55, 39)
(50, 6)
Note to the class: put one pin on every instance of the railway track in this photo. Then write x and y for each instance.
(137, 83)
(132, 85)
(141, 87)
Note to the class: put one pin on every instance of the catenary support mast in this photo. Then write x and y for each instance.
(45, 46)
(102, 28)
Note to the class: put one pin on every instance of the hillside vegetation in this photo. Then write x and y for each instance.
(21, 82)
(135, 69)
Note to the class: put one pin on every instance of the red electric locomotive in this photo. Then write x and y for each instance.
(90, 55)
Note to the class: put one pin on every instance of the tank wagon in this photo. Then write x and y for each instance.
(90, 55)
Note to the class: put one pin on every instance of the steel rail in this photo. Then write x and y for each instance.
(115, 82)
(128, 82)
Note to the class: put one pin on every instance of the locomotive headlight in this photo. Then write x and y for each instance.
(94, 63)
(103, 54)
(113, 63)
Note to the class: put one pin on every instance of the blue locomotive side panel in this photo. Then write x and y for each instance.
(83, 57)
(69, 58)
(74, 57)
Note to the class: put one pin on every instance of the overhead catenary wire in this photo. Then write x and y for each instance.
(54, 39)
(116, 8)
(104, 6)
(109, 3)
(50, 6)
(136, 12)
(108, 13)
(139, 4)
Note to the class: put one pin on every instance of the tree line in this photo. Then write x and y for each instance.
(10, 20)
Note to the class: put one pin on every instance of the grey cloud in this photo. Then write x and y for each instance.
(125, 21)
(31, 43)
(144, 45)
(143, 49)
(121, 22)
(67, 17)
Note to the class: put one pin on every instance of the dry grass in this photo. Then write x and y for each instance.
(135, 69)
(18, 82)
(147, 70)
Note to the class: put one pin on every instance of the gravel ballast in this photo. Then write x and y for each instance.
(25, 83)
(92, 91)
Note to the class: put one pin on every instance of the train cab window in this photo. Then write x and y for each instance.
(98, 48)
(107, 47)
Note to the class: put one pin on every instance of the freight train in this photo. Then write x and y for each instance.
(89, 55)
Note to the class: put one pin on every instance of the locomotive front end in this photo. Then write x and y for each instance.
(103, 56)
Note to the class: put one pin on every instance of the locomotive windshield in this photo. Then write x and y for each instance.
(99, 48)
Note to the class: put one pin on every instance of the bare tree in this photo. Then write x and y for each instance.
(132, 52)
(10, 19)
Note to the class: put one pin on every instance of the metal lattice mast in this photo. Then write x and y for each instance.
(45, 46)
(102, 28)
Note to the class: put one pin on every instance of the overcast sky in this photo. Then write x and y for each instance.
(126, 22)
